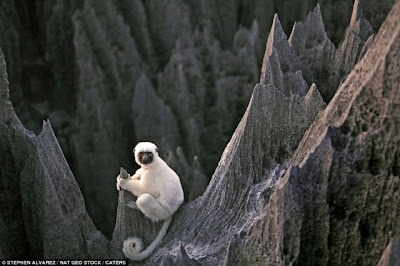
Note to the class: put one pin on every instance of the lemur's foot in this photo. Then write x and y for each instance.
(132, 205)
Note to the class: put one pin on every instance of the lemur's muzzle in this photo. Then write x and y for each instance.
(146, 159)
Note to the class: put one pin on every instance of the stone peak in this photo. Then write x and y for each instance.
(275, 35)
(316, 17)
(357, 13)
(313, 24)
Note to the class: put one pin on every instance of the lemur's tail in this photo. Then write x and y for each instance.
(133, 246)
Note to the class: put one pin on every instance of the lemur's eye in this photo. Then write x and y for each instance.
(150, 154)
(140, 154)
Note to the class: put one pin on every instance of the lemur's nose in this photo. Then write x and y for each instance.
(145, 158)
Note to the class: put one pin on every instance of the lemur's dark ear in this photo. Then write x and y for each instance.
(156, 149)
(133, 150)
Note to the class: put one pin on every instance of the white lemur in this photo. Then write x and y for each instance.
(159, 193)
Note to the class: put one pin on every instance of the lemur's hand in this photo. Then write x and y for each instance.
(120, 182)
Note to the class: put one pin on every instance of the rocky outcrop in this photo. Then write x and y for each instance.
(309, 56)
(310, 42)
(338, 201)
(44, 215)
(281, 67)
(193, 102)
(284, 192)
(391, 255)
(238, 190)
(375, 11)
(56, 222)
(14, 241)
(204, 85)
(79, 62)
(194, 181)
(359, 36)
(98, 153)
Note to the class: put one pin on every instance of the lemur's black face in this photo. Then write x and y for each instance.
(145, 153)
(145, 157)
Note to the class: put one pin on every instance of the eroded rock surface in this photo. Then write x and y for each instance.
(339, 200)
(267, 136)
(283, 192)
(43, 213)
(391, 256)
(77, 63)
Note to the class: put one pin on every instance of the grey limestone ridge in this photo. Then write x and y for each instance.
(304, 180)
(391, 256)
(93, 66)
(89, 65)
(42, 212)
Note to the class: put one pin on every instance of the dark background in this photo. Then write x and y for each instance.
(111, 73)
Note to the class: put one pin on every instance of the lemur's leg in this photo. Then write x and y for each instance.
(152, 208)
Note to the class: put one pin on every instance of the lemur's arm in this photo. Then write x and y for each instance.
(132, 185)
(137, 174)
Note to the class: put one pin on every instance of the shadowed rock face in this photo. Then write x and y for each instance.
(309, 56)
(339, 200)
(310, 41)
(178, 85)
(43, 212)
(14, 242)
(391, 256)
(340, 196)
(359, 36)
(287, 189)
(78, 63)
(238, 190)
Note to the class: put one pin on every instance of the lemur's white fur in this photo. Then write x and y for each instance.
(159, 193)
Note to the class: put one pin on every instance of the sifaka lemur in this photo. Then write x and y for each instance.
(159, 194)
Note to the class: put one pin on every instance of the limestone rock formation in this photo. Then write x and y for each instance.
(14, 241)
(339, 200)
(104, 103)
(375, 11)
(391, 256)
(359, 36)
(204, 85)
(257, 155)
(154, 121)
(193, 92)
(78, 63)
(310, 41)
(293, 186)
(280, 63)
(309, 56)
(44, 215)
(191, 173)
